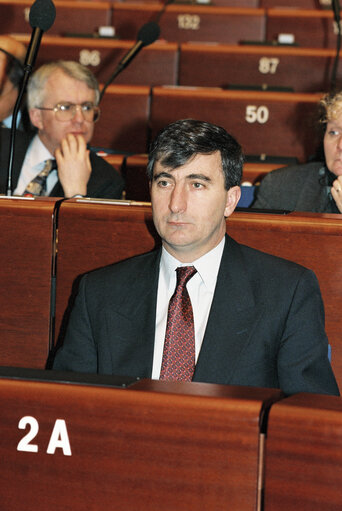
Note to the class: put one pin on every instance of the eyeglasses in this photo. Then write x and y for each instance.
(65, 112)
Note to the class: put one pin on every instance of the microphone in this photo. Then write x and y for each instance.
(41, 18)
(335, 4)
(147, 34)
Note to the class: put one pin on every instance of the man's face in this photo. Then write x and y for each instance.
(190, 204)
(61, 88)
(333, 145)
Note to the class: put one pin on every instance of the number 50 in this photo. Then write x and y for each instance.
(258, 114)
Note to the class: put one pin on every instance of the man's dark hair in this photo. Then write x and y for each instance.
(178, 142)
(14, 68)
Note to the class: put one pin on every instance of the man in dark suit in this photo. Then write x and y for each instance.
(257, 319)
(63, 106)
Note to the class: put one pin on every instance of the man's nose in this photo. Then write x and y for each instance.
(178, 199)
(78, 116)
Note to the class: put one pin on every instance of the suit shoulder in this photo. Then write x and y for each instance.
(131, 267)
(266, 262)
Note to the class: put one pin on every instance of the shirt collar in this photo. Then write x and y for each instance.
(207, 266)
(38, 152)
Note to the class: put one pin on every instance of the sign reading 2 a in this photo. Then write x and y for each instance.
(59, 438)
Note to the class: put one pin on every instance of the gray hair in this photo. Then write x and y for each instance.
(36, 84)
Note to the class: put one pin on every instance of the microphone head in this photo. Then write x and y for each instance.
(42, 14)
(148, 33)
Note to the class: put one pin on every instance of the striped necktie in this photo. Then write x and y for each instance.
(38, 184)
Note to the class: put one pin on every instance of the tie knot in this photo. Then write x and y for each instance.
(50, 165)
(184, 274)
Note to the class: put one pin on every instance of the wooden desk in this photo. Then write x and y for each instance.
(297, 4)
(181, 23)
(301, 69)
(311, 28)
(71, 17)
(271, 123)
(27, 268)
(156, 64)
(304, 454)
(187, 446)
(123, 125)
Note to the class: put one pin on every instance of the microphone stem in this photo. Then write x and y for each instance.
(14, 131)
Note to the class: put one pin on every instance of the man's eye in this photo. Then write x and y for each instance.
(87, 107)
(198, 186)
(162, 183)
(64, 107)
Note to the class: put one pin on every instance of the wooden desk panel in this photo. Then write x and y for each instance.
(303, 70)
(156, 64)
(132, 449)
(304, 454)
(181, 23)
(297, 4)
(26, 267)
(123, 125)
(311, 28)
(271, 123)
(71, 17)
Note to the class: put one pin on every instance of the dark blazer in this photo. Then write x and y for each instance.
(104, 182)
(297, 188)
(265, 328)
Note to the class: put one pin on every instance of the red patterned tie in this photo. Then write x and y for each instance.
(179, 348)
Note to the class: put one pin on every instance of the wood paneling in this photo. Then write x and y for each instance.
(182, 23)
(304, 454)
(302, 70)
(155, 65)
(123, 125)
(27, 269)
(271, 123)
(71, 17)
(310, 28)
(187, 446)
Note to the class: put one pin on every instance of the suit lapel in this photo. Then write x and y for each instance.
(230, 322)
(139, 306)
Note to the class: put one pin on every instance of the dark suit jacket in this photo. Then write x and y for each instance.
(265, 328)
(104, 182)
(297, 188)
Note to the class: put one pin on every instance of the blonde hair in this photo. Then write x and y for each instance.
(331, 107)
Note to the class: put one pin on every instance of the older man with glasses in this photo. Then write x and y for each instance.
(62, 100)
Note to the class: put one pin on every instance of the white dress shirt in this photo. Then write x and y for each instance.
(33, 163)
(201, 289)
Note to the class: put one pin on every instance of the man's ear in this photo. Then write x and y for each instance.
(36, 118)
(233, 197)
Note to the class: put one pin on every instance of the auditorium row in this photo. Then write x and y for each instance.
(48, 243)
(273, 124)
(182, 23)
(282, 68)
